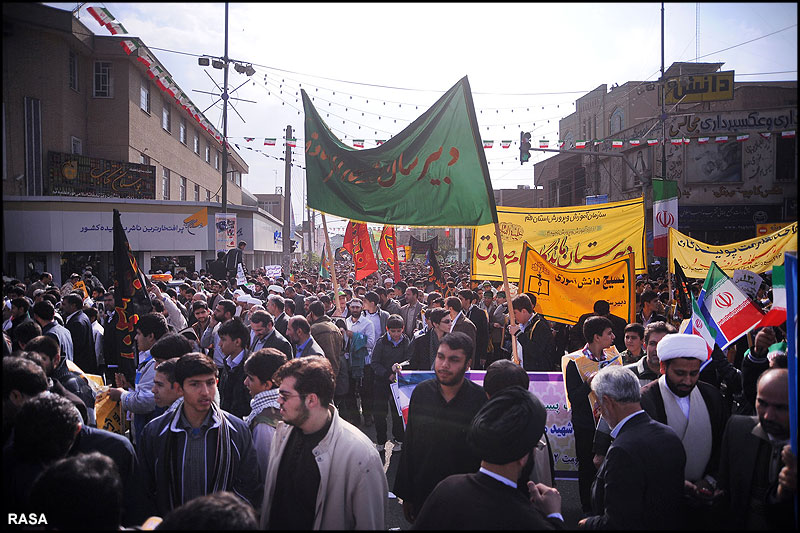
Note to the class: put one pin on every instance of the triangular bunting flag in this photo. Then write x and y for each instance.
(616, 143)
(488, 144)
(505, 144)
(721, 139)
(635, 142)
(269, 141)
(744, 137)
(652, 142)
(702, 140)
(291, 143)
(358, 143)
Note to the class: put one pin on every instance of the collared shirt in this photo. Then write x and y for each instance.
(233, 363)
(301, 347)
(71, 315)
(194, 457)
(375, 318)
(513, 485)
(618, 427)
(365, 326)
(453, 321)
(262, 340)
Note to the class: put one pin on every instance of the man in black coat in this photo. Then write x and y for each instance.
(640, 484)
(80, 327)
(480, 318)
(502, 434)
(19, 316)
(533, 333)
(216, 268)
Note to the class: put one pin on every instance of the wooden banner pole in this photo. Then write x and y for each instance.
(332, 262)
(511, 320)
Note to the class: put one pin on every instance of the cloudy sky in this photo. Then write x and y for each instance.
(373, 68)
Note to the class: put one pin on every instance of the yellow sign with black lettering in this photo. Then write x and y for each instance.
(699, 88)
(564, 295)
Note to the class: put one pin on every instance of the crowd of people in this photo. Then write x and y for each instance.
(247, 404)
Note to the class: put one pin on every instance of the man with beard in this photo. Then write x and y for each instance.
(323, 472)
(223, 312)
(695, 411)
(439, 416)
(751, 460)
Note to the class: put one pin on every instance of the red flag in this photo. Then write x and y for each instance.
(388, 249)
(356, 241)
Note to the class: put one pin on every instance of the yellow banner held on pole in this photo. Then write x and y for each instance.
(564, 295)
(757, 255)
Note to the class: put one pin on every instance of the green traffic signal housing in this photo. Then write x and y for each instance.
(524, 147)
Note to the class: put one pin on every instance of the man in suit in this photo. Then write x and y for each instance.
(600, 308)
(410, 311)
(459, 321)
(80, 328)
(751, 460)
(275, 307)
(534, 335)
(502, 434)
(299, 332)
(264, 335)
(640, 483)
(480, 318)
(234, 394)
(695, 410)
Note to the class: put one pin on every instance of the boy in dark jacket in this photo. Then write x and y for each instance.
(392, 347)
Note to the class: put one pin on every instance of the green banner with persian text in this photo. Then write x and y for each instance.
(433, 173)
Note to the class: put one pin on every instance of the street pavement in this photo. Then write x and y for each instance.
(570, 501)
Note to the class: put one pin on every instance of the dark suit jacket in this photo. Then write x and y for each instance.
(276, 340)
(83, 354)
(655, 317)
(738, 461)
(653, 403)
(465, 325)
(312, 348)
(281, 323)
(538, 347)
(640, 483)
(479, 317)
(488, 505)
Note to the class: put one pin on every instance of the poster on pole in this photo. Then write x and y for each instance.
(225, 224)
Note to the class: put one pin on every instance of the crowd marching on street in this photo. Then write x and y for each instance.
(246, 406)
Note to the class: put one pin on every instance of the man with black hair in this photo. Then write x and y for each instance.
(391, 348)
(98, 333)
(216, 268)
(323, 472)
(651, 309)
(410, 312)
(220, 511)
(19, 316)
(439, 415)
(275, 307)
(166, 391)
(388, 303)
(299, 332)
(600, 308)
(79, 327)
(264, 407)
(502, 434)
(80, 492)
(235, 257)
(197, 448)
(532, 332)
(44, 314)
(223, 312)
(234, 338)
(459, 321)
(22, 379)
(138, 398)
(480, 318)
(264, 335)
(422, 351)
(327, 335)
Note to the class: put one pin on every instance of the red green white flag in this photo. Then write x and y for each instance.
(787, 134)
(616, 143)
(544, 143)
(676, 142)
(358, 143)
(777, 313)
(488, 144)
(249, 139)
(561, 143)
(580, 144)
(766, 134)
(721, 139)
(701, 327)
(291, 143)
(728, 307)
(635, 142)
(380, 141)
(702, 140)
(154, 71)
(686, 140)
(597, 141)
(129, 46)
(652, 142)
(741, 138)
(101, 15)
(506, 144)
(116, 28)
(270, 141)
(665, 214)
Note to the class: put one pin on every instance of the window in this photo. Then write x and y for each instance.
(103, 82)
(33, 147)
(73, 70)
(183, 130)
(617, 121)
(144, 159)
(208, 154)
(196, 143)
(165, 185)
(785, 166)
(208, 195)
(216, 160)
(196, 192)
(144, 96)
(182, 189)
(237, 177)
(166, 121)
(77, 146)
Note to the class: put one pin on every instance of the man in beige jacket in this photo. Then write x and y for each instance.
(323, 472)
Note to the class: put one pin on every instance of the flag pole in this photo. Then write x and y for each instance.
(333, 265)
(514, 355)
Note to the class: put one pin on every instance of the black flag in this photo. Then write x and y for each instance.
(435, 271)
(130, 300)
(682, 292)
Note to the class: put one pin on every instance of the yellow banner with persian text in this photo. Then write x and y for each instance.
(757, 255)
(564, 295)
(568, 237)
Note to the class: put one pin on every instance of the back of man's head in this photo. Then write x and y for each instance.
(263, 363)
(45, 345)
(216, 511)
(169, 346)
(618, 383)
(46, 427)
(22, 375)
(601, 308)
(82, 492)
(503, 374)
(317, 309)
(27, 331)
(152, 324)
(44, 310)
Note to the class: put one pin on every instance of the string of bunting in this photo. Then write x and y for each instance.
(155, 70)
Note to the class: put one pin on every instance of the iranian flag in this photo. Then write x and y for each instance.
(358, 143)
(740, 138)
(580, 144)
(249, 139)
(686, 140)
(787, 134)
(561, 143)
(677, 142)
(777, 314)
(154, 71)
(488, 144)
(652, 142)
(291, 143)
(702, 140)
(270, 141)
(116, 28)
(544, 143)
(163, 82)
(145, 59)
(505, 144)
(380, 141)
(635, 142)
(727, 307)
(665, 214)
(616, 143)
(597, 141)
(700, 326)
(129, 46)
(721, 139)
(766, 134)
(101, 15)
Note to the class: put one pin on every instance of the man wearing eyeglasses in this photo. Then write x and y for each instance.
(323, 472)
(423, 348)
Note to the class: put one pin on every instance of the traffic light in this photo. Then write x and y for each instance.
(293, 245)
(524, 147)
